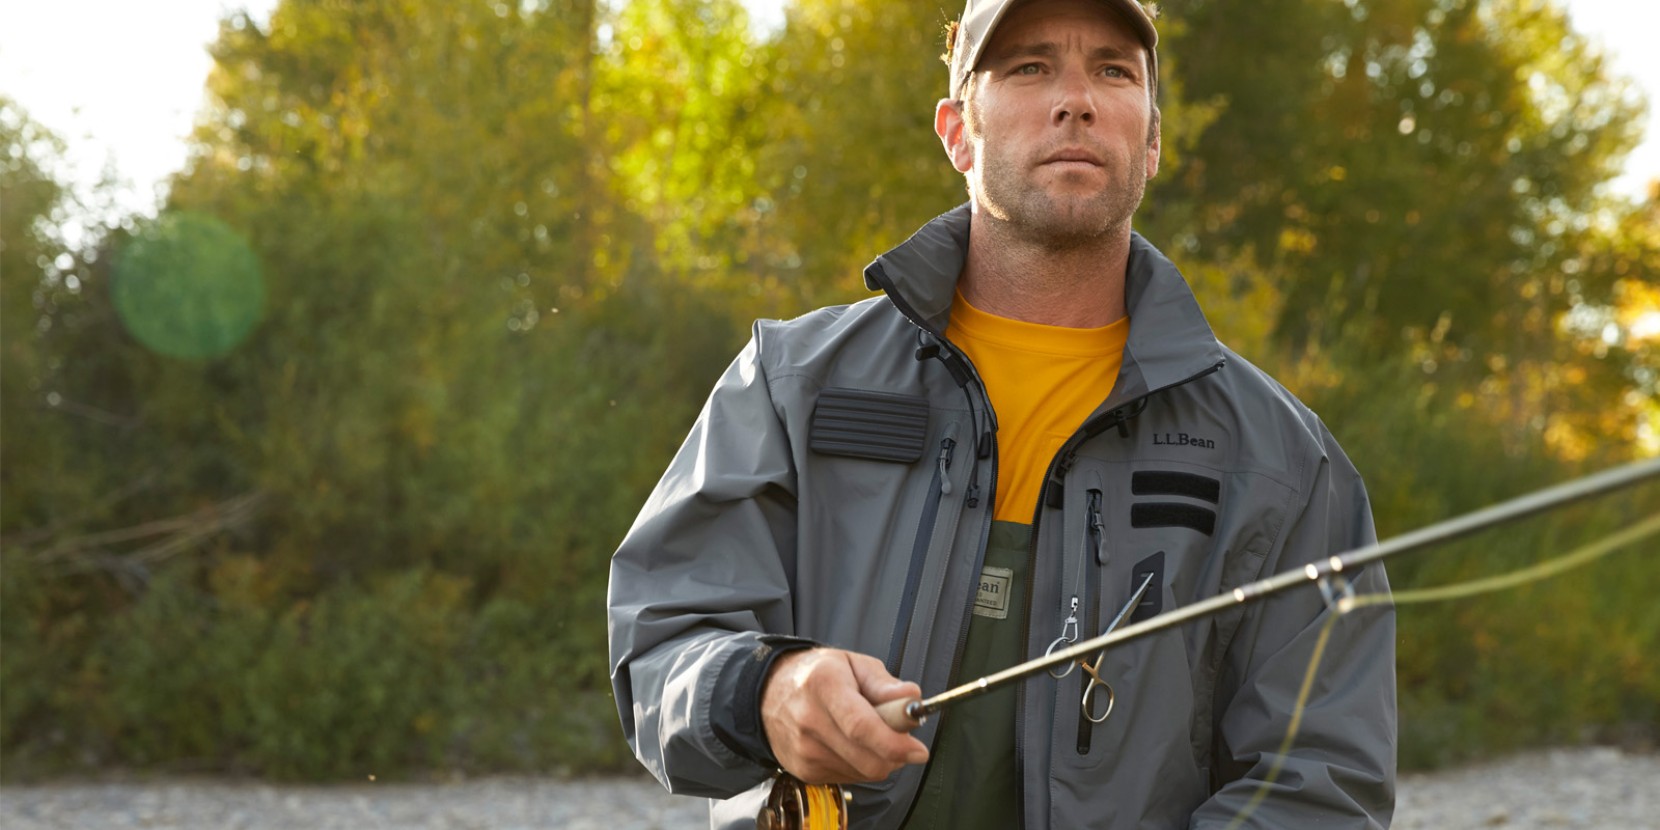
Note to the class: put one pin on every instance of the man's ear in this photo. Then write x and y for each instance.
(1155, 146)
(952, 128)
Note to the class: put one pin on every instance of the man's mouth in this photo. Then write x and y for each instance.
(1074, 155)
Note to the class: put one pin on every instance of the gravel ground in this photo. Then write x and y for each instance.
(1578, 788)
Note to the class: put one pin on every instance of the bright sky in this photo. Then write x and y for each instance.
(119, 81)
(124, 89)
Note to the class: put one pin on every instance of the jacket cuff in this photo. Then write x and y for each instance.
(738, 724)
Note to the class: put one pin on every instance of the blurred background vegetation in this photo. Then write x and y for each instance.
(317, 474)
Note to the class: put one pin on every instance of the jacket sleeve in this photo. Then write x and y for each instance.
(1339, 770)
(700, 593)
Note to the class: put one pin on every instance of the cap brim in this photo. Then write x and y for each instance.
(977, 25)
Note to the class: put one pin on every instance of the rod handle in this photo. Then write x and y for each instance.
(896, 714)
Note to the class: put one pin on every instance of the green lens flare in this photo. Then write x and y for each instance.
(188, 286)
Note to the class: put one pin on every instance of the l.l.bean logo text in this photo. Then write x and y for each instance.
(993, 598)
(1182, 439)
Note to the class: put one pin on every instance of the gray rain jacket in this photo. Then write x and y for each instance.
(837, 487)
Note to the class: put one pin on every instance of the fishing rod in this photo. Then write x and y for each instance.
(906, 715)
(794, 805)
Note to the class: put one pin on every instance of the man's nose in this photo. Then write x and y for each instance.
(1076, 100)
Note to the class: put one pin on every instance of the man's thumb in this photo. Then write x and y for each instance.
(876, 684)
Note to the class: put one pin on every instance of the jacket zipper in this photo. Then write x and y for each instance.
(1026, 637)
(1059, 465)
(985, 443)
(1070, 451)
(967, 617)
(919, 553)
(1094, 552)
(1070, 626)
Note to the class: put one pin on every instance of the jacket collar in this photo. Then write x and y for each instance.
(1170, 342)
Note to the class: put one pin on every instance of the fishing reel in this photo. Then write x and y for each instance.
(796, 805)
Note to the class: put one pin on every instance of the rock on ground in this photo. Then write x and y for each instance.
(1577, 788)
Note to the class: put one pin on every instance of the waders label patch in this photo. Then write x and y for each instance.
(993, 599)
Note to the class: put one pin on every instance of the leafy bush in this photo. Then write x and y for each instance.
(1553, 662)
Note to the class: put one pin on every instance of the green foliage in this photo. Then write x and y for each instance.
(1404, 160)
(30, 198)
(858, 81)
(505, 248)
(225, 669)
(358, 681)
(1555, 662)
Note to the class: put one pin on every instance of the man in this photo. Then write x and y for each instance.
(1033, 420)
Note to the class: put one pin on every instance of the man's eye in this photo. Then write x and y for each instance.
(1028, 69)
(1115, 72)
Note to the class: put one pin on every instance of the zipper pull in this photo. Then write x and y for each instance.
(945, 464)
(1098, 527)
(1069, 635)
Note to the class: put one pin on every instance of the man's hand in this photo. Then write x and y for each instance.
(819, 711)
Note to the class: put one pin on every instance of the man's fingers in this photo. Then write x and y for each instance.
(818, 710)
(853, 755)
(876, 684)
(880, 688)
(823, 753)
(857, 719)
(795, 709)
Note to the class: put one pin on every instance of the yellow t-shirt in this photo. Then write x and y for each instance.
(1043, 382)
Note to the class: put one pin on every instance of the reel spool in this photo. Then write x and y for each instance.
(795, 805)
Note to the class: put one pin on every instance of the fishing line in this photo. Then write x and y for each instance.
(1350, 603)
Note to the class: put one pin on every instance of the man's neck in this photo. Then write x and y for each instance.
(1076, 286)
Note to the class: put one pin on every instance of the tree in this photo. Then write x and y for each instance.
(1414, 173)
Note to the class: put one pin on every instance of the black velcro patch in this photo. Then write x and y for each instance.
(881, 426)
(1168, 483)
(1172, 514)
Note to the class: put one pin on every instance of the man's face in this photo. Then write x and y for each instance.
(1057, 136)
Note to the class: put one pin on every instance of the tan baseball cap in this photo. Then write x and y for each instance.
(980, 18)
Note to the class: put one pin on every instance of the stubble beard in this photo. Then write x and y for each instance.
(1010, 193)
